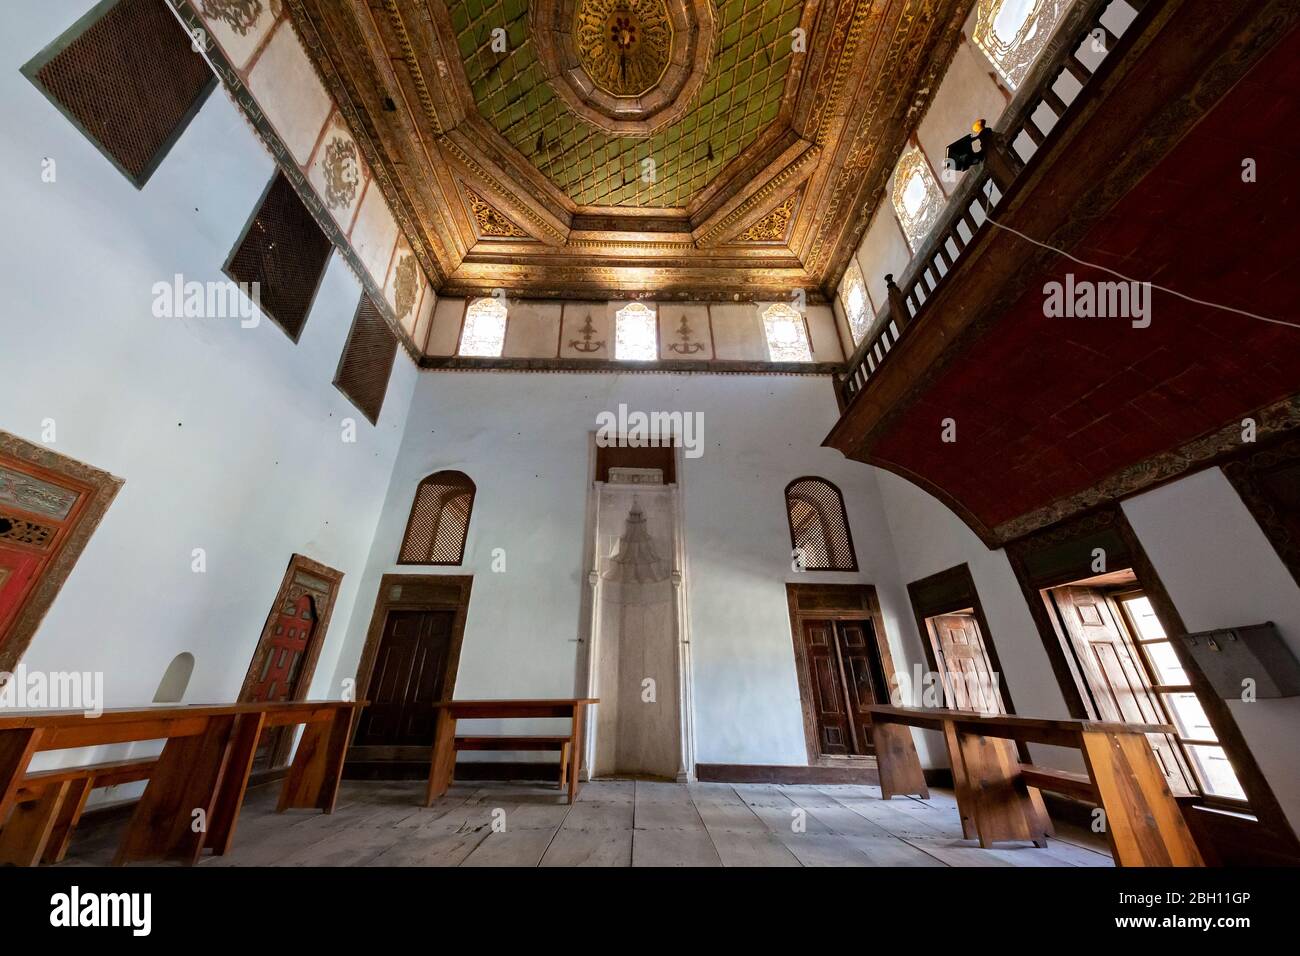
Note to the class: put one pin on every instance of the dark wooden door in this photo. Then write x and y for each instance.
(409, 674)
(969, 682)
(846, 677)
(1114, 677)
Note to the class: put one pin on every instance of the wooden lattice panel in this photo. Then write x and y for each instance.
(819, 526)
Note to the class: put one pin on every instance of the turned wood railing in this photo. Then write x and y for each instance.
(1033, 119)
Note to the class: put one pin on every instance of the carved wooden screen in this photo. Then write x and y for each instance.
(284, 251)
(127, 75)
(439, 522)
(819, 526)
(367, 360)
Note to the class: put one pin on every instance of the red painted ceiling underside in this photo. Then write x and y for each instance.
(1047, 407)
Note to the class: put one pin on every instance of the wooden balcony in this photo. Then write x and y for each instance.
(1134, 166)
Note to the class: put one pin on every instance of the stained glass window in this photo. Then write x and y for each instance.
(1013, 32)
(485, 328)
(853, 296)
(917, 196)
(787, 337)
(635, 338)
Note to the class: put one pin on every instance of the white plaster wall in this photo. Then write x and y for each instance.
(1221, 571)
(929, 538)
(524, 440)
(228, 438)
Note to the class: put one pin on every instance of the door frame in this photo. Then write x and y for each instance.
(417, 592)
(95, 490)
(947, 592)
(333, 578)
(832, 602)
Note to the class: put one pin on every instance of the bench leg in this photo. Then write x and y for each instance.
(234, 782)
(897, 764)
(165, 825)
(575, 749)
(1143, 822)
(442, 765)
(317, 769)
(1002, 807)
(69, 816)
(564, 766)
(960, 782)
(27, 833)
(16, 749)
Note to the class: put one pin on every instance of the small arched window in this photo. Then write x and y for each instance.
(819, 526)
(1012, 33)
(853, 296)
(439, 522)
(918, 200)
(787, 337)
(484, 333)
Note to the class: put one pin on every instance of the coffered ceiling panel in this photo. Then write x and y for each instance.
(668, 149)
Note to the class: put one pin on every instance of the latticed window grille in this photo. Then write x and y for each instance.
(819, 526)
(367, 360)
(127, 75)
(285, 252)
(439, 522)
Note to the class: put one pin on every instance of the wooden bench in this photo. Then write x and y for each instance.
(442, 768)
(558, 742)
(49, 805)
(998, 796)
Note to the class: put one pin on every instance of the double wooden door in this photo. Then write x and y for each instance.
(409, 675)
(846, 677)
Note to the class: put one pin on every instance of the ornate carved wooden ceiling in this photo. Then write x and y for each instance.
(767, 130)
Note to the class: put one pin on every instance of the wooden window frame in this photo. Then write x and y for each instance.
(343, 357)
(832, 602)
(844, 514)
(32, 67)
(464, 539)
(958, 593)
(1110, 522)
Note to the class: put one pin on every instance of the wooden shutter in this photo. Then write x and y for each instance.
(285, 252)
(127, 75)
(367, 360)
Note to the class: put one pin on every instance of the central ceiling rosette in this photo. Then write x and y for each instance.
(628, 67)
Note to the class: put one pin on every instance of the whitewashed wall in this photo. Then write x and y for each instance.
(1221, 571)
(524, 440)
(228, 438)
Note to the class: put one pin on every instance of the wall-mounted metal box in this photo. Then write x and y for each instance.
(1232, 655)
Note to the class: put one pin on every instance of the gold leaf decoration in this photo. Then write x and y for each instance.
(490, 222)
(773, 226)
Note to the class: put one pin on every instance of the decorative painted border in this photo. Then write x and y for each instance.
(243, 99)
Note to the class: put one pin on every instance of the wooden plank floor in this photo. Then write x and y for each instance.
(614, 823)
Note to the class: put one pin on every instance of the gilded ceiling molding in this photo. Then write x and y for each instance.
(412, 64)
(479, 172)
(489, 221)
(758, 197)
(775, 226)
(400, 202)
